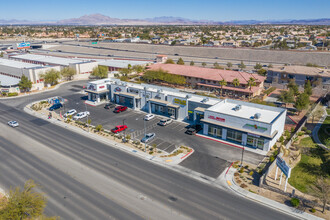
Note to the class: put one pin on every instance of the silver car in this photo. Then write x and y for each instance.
(148, 137)
(13, 124)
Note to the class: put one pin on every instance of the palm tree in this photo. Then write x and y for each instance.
(222, 84)
(236, 82)
(251, 82)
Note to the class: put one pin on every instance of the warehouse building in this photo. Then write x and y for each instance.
(81, 66)
(117, 65)
(16, 69)
(248, 124)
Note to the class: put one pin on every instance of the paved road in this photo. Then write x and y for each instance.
(82, 177)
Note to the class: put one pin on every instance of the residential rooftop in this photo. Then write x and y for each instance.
(247, 111)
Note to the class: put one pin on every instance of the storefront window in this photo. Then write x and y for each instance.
(215, 131)
(255, 142)
(234, 135)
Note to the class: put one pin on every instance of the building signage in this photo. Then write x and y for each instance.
(254, 135)
(117, 89)
(132, 90)
(91, 87)
(180, 102)
(23, 45)
(101, 87)
(216, 118)
(283, 166)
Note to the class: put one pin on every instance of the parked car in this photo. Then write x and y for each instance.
(120, 109)
(148, 137)
(70, 112)
(165, 121)
(109, 105)
(55, 106)
(148, 117)
(81, 115)
(119, 128)
(193, 129)
(13, 124)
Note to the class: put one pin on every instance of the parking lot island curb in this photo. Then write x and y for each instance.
(231, 184)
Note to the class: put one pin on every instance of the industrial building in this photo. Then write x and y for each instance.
(12, 69)
(81, 66)
(248, 124)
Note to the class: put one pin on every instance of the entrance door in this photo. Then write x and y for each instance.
(255, 142)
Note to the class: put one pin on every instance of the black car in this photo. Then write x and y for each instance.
(109, 105)
(55, 106)
(193, 129)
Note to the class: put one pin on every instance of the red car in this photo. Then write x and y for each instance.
(119, 128)
(120, 109)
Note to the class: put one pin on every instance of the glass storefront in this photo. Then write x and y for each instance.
(215, 131)
(255, 142)
(235, 136)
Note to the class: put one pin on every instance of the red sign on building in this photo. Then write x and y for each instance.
(216, 118)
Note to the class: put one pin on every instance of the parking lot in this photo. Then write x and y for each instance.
(210, 158)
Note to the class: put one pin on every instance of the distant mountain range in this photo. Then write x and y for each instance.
(99, 19)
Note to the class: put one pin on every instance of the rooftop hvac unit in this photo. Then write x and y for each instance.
(205, 100)
(159, 90)
(124, 84)
(257, 115)
(237, 107)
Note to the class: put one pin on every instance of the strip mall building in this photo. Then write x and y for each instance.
(248, 124)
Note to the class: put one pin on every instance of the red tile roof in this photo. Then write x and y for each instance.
(246, 90)
(207, 73)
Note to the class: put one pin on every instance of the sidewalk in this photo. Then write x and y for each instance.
(317, 128)
(228, 180)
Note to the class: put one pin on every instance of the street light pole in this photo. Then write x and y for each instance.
(87, 118)
(145, 129)
(124, 131)
(242, 156)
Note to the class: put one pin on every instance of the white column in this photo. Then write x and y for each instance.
(276, 173)
(149, 107)
(286, 183)
(134, 103)
(281, 178)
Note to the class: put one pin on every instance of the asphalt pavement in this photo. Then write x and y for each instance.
(68, 177)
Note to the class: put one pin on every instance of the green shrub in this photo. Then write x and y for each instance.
(300, 133)
(282, 139)
(270, 90)
(43, 102)
(151, 152)
(99, 128)
(304, 128)
(12, 94)
(4, 94)
(308, 132)
(313, 210)
(246, 167)
(251, 173)
(241, 170)
(295, 202)
(292, 130)
(271, 158)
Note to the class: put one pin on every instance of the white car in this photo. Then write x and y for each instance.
(70, 112)
(165, 121)
(13, 124)
(148, 117)
(81, 115)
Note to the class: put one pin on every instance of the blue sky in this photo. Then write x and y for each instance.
(218, 10)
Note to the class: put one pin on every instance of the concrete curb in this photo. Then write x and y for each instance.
(229, 178)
